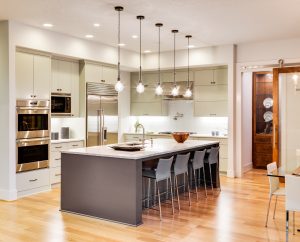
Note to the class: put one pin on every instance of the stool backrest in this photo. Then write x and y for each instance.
(181, 164)
(198, 161)
(292, 190)
(273, 181)
(213, 155)
(163, 170)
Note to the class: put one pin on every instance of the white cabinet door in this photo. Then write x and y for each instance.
(93, 72)
(167, 77)
(147, 96)
(221, 76)
(210, 93)
(42, 76)
(55, 75)
(182, 76)
(109, 75)
(24, 75)
(204, 77)
(210, 108)
(65, 78)
(146, 109)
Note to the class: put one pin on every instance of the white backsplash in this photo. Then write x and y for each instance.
(76, 125)
(201, 125)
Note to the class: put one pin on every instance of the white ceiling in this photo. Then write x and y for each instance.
(211, 22)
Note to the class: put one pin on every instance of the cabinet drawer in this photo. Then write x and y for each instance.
(55, 175)
(55, 159)
(74, 145)
(32, 179)
(59, 147)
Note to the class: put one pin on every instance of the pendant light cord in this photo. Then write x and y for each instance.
(140, 79)
(159, 56)
(119, 41)
(188, 62)
(174, 59)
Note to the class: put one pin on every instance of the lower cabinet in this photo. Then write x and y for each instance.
(55, 157)
(31, 182)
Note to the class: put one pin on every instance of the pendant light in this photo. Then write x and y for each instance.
(159, 90)
(119, 85)
(140, 87)
(188, 92)
(175, 89)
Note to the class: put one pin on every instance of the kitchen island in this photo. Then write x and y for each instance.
(105, 183)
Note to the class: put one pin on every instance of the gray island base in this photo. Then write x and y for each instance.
(105, 183)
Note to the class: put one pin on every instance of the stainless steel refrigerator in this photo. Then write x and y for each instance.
(101, 114)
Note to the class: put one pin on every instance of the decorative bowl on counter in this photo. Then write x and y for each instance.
(180, 137)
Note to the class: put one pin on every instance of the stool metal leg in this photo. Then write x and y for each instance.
(148, 194)
(154, 196)
(188, 185)
(196, 185)
(167, 192)
(172, 195)
(204, 180)
(158, 194)
(183, 182)
(275, 207)
(176, 184)
(211, 183)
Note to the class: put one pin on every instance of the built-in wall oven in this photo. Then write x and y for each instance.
(33, 118)
(32, 154)
(32, 133)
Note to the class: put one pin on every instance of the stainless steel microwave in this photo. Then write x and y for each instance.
(61, 104)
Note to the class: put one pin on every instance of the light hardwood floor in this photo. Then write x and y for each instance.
(236, 214)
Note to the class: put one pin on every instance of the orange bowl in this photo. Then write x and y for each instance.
(180, 137)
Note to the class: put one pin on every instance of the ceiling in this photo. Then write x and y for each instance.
(210, 22)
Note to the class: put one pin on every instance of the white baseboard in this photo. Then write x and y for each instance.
(8, 195)
(230, 173)
(247, 167)
(33, 191)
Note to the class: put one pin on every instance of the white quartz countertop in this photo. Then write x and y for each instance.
(192, 135)
(65, 140)
(159, 147)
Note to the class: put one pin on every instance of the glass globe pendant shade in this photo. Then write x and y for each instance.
(140, 88)
(188, 93)
(175, 91)
(159, 90)
(119, 87)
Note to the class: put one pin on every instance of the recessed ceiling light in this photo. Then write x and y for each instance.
(134, 36)
(89, 36)
(48, 25)
(121, 44)
(191, 46)
(96, 25)
(147, 51)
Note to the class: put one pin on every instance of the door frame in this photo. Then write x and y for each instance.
(276, 138)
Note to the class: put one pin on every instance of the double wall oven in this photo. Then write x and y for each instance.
(33, 142)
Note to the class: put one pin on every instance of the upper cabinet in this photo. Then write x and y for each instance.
(146, 103)
(100, 73)
(33, 75)
(210, 93)
(65, 79)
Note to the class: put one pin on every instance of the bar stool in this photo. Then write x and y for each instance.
(161, 173)
(198, 165)
(181, 168)
(213, 158)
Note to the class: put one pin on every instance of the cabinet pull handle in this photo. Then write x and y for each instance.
(213, 114)
(58, 159)
(74, 145)
(33, 180)
(58, 147)
(57, 174)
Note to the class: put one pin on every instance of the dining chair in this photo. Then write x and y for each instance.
(292, 199)
(274, 188)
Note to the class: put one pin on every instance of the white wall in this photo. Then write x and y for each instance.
(247, 121)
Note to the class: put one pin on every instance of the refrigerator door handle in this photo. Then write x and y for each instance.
(99, 125)
(102, 126)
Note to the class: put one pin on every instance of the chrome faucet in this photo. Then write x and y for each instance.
(142, 126)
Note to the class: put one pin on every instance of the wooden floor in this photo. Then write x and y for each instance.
(236, 214)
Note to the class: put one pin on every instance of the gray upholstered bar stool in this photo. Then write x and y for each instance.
(161, 173)
(213, 158)
(198, 165)
(181, 168)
